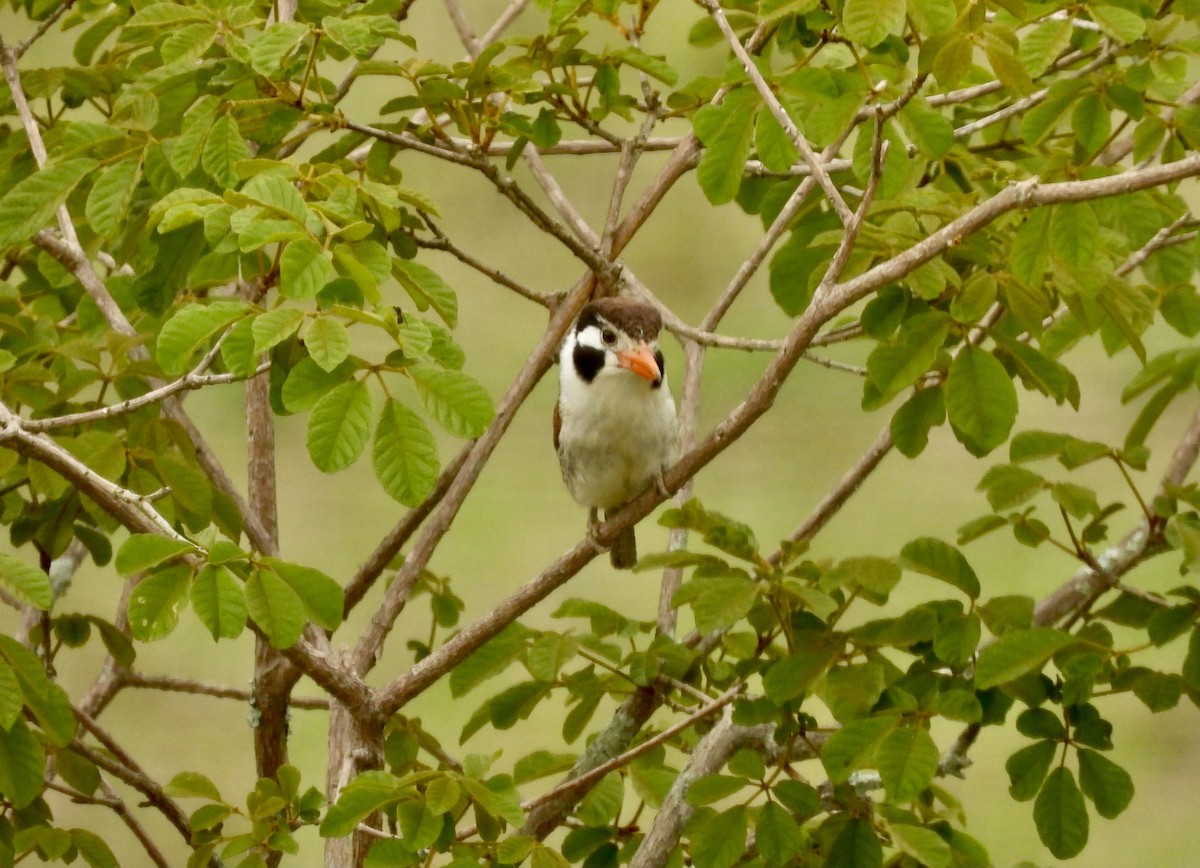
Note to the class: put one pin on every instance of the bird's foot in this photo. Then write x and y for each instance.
(593, 525)
(660, 485)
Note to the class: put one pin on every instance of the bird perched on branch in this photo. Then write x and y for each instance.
(614, 423)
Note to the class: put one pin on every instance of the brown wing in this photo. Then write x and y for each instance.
(557, 425)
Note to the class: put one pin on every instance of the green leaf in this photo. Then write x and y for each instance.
(795, 675)
(275, 607)
(1043, 119)
(155, 603)
(874, 576)
(853, 746)
(562, 10)
(277, 193)
(961, 705)
(184, 151)
(653, 65)
(307, 383)
(322, 596)
(869, 22)
(907, 760)
(441, 795)
(777, 834)
(1060, 815)
(22, 764)
(1123, 25)
(29, 206)
(957, 638)
(191, 328)
(953, 61)
(237, 350)
(220, 602)
(11, 701)
(28, 584)
(1016, 653)
(165, 15)
(49, 703)
(272, 47)
(108, 201)
(720, 840)
(363, 796)
(427, 289)
(926, 846)
(911, 424)
(404, 454)
(933, 16)
(773, 145)
(274, 327)
(1030, 255)
(1008, 486)
(491, 658)
(928, 129)
(192, 785)
(1039, 371)
(92, 848)
(339, 427)
(941, 561)
(1104, 782)
(328, 342)
(717, 602)
(1074, 234)
(304, 269)
(497, 797)
(454, 399)
(1079, 502)
(856, 846)
(1003, 60)
(1042, 45)
(1091, 123)
(981, 401)
(895, 366)
(975, 299)
(727, 131)
(1191, 662)
(1157, 690)
(224, 147)
(1027, 769)
(772, 10)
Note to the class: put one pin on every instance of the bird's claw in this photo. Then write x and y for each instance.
(660, 485)
(593, 525)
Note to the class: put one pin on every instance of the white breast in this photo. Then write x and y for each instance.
(618, 433)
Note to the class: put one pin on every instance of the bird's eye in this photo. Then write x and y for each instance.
(608, 336)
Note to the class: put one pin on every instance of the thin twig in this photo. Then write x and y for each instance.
(459, 19)
(442, 242)
(133, 510)
(575, 785)
(117, 762)
(195, 379)
(778, 112)
(172, 684)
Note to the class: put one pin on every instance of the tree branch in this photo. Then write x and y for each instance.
(366, 653)
(134, 511)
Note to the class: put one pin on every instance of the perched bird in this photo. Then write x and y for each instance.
(614, 423)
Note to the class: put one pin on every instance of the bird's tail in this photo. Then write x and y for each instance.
(623, 552)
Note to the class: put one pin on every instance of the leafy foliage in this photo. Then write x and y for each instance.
(961, 192)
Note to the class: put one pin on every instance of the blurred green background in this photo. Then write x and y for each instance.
(519, 517)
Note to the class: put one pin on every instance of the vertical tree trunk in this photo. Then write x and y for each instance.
(355, 746)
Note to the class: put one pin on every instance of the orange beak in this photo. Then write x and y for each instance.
(641, 361)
